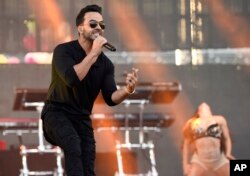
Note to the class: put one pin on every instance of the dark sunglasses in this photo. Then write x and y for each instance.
(93, 24)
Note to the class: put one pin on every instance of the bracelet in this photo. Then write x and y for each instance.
(126, 90)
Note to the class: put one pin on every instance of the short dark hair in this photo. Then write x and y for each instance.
(88, 8)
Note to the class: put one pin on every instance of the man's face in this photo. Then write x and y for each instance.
(91, 26)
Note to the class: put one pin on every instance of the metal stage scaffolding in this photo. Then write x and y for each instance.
(140, 123)
(33, 99)
(145, 93)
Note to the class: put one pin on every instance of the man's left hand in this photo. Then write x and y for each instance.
(131, 80)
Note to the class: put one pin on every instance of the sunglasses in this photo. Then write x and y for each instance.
(93, 24)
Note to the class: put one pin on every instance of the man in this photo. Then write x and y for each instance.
(80, 70)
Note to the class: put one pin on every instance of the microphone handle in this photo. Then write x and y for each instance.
(109, 47)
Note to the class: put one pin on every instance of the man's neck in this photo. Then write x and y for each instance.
(85, 44)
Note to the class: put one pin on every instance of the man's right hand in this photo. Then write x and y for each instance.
(97, 45)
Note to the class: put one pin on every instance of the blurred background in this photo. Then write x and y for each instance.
(198, 50)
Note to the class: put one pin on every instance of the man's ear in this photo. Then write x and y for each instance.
(80, 29)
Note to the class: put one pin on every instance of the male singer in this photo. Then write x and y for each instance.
(80, 70)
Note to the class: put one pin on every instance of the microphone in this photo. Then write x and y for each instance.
(106, 45)
(109, 47)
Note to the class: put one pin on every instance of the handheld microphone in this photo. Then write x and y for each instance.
(109, 47)
(106, 45)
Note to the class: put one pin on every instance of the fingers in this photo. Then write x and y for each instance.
(97, 46)
(132, 78)
(130, 81)
(135, 72)
(101, 40)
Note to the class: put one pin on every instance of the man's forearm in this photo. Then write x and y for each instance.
(83, 67)
(119, 95)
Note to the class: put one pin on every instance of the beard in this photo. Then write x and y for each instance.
(92, 35)
(89, 37)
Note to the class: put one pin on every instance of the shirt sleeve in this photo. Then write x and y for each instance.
(63, 62)
(109, 85)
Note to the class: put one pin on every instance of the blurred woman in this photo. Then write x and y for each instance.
(207, 144)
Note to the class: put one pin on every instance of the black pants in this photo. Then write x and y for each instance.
(76, 140)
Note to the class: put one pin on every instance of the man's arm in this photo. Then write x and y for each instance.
(83, 67)
(121, 94)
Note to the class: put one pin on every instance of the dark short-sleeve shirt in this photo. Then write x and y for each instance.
(68, 93)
